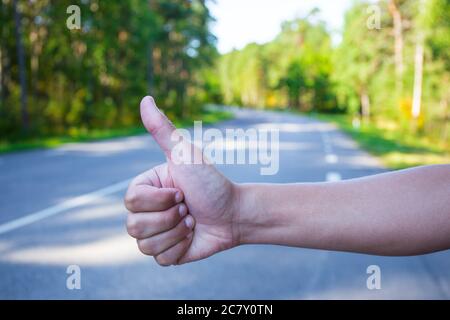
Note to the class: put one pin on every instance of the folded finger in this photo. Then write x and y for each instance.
(146, 198)
(155, 245)
(173, 254)
(146, 224)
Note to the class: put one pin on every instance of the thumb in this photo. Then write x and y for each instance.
(157, 124)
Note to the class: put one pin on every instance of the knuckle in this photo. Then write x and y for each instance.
(131, 198)
(133, 226)
(157, 129)
(146, 248)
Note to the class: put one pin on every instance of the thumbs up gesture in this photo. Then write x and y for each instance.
(179, 212)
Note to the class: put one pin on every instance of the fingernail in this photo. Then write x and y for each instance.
(178, 197)
(182, 210)
(189, 222)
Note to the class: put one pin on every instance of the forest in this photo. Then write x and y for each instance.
(390, 66)
(56, 80)
(396, 69)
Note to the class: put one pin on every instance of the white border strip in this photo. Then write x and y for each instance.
(64, 206)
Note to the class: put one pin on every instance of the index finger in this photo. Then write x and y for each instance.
(147, 198)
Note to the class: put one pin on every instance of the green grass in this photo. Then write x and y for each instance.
(397, 149)
(207, 116)
(55, 141)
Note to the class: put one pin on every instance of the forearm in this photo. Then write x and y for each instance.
(400, 213)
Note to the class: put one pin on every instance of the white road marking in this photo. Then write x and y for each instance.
(333, 176)
(331, 158)
(64, 206)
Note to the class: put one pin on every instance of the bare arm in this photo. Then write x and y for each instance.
(405, 212)
(182, 212)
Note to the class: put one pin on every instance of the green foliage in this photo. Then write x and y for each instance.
(369, 74)
(393, 147)
(76, 134)
(365, 65)
(95, 77)
(294, 69)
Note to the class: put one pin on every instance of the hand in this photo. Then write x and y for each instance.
(185, 212)
(179, 212)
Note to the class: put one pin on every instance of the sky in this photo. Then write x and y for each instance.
(240, 22)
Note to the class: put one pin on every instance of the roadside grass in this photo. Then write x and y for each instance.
(395, 148)
(6, 146)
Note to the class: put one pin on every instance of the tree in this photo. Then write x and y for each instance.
(436, 31)
(94, 77)
(394, 10)
(22, 72)
(358, 59)
(292, 70)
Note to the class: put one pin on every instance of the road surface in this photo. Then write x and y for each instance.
(64, 207)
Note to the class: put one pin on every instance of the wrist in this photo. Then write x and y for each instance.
(255, 214)
(284, 214)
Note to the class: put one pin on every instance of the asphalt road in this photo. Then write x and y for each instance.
(64, 207)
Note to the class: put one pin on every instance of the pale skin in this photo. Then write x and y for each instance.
(183, 212)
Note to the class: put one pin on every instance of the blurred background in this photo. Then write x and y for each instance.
(370, 78)
(384, 64)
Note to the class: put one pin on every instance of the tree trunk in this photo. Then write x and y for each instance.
(418, 75)
(150, 59)
(2, 82)
(22, 74)
(398, 47)
(365, 105)
(150, 70)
